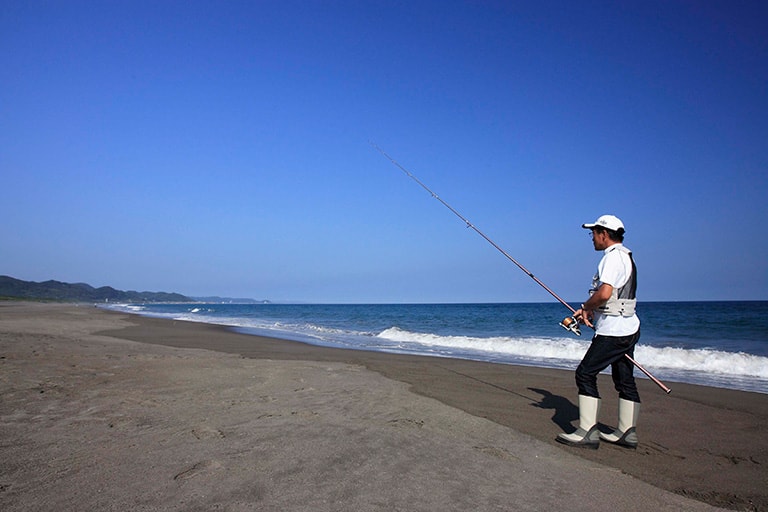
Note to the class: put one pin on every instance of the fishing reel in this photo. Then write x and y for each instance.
(570, 323)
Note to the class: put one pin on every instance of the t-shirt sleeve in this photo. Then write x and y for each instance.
(612, 270)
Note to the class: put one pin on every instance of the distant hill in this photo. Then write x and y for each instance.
(79, 292)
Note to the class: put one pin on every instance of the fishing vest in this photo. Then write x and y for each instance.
(622, 301)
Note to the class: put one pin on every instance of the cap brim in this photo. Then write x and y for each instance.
(588, 226)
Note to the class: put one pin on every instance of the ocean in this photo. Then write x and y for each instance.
(720, 344)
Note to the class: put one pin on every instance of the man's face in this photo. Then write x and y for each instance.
(600, 239)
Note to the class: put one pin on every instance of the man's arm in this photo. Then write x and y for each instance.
(587, 310)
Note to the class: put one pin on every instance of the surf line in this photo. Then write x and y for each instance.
(570, 323)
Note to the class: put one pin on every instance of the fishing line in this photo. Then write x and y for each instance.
(568, 323)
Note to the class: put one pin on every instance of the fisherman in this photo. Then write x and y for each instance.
(610, 310)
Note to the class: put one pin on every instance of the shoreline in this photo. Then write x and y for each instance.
(693, 358)
(709, 444)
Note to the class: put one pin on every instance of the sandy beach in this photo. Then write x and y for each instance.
(108, 411)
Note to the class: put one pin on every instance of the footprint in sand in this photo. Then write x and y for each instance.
(200, 467)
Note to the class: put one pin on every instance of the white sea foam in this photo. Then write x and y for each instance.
(135, 308)
(569, 349)
(705, 360)
(535, 348)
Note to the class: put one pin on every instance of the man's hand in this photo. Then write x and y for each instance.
(584, 317)
(587, 311)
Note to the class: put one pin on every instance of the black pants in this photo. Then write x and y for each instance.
(604, 351)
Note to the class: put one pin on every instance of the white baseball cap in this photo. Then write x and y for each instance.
(606, 221)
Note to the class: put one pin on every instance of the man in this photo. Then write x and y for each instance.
(610, 309)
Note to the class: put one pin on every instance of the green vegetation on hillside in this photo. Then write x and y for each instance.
(11, 288)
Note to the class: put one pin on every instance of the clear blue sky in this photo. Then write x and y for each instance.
(223, 147)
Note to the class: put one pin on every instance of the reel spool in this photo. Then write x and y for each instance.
(569, 323)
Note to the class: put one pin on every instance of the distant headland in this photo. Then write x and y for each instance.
(12, 288)
(17, 289)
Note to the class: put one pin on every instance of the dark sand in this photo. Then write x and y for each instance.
(90, 421)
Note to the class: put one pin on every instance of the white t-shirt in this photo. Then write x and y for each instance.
(615, 269)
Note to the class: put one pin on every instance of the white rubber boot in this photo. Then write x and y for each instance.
(587, 435)
(625, 434)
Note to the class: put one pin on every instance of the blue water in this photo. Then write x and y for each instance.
(722, 344)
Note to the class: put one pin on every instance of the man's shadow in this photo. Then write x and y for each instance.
(565, 410)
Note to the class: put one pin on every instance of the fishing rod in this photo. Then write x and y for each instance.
(569, 323)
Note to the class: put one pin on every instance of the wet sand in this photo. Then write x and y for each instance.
(109, 411)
